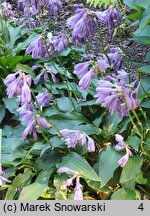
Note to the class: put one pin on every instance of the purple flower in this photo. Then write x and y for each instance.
(37, 48)
(51, 73)
(120, 146)
(59, 42)
(115, 57)
(30, 11)
(102, 64)
(44, 99)
(122, 162)
(26, 94)
(87, 78)
(54, 6)
(111, 18)
(72, 21)
(73, 137)
(65, 170)
(42, 122)
(82, 23)
(117, 96)
(85, 75)
(19, 83)
(32, 121)
(78, 195)
(81, 69)
(7, 10)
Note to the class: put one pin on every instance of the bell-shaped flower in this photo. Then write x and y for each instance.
(73, 137)
(121, 146)
(37, 48)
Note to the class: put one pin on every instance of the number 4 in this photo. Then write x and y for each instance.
(141, 207)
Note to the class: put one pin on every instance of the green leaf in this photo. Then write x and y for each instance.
(2, 113)
(25, 68)
(108, 164)
(96, 3)
(65, 104)
(131, 169)
(148, 57)
(11, 104)
(121, 194)
(144, 69)
(48, 159)
(12, 145)
(142, 3)
(140, 179)
(145, 103)
(111, 123)
(67, 120)
(61, 189)
(134, 142)
(79, 164)
(97, 187)
(40, 186)
(18, 183)
(65, 52)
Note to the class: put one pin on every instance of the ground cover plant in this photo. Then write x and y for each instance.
(74, 115)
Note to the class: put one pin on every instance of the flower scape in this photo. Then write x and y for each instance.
(74, 105)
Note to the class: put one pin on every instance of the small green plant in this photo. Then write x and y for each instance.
(99, 3)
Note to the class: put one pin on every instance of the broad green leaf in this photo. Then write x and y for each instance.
(25, 68)
(65, 52)
(11, 104)
(12, 144)
(2, 113)
(97, 187)
(79, 164)
(134, 142)
(144, 69)
(40, 186)
(131, 169)
(121, 194)
(111, 123)
(66, 104)
(67, 120)
(18, 183)
(142, 3)
(108, 164)
(145, 103)
(48, 159)
(140, 179)
(61, 188)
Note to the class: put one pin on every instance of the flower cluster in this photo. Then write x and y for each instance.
(84, 74)
(111, 18)
(45, 72)
(78, 195)
(37, 48)
(117, 95)
(6, 10)
(58, 43)
(30, 7)
(19, 83)
(121, 146)
(32, 121)
(43, 48)
(73, 137)
(82, 23)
